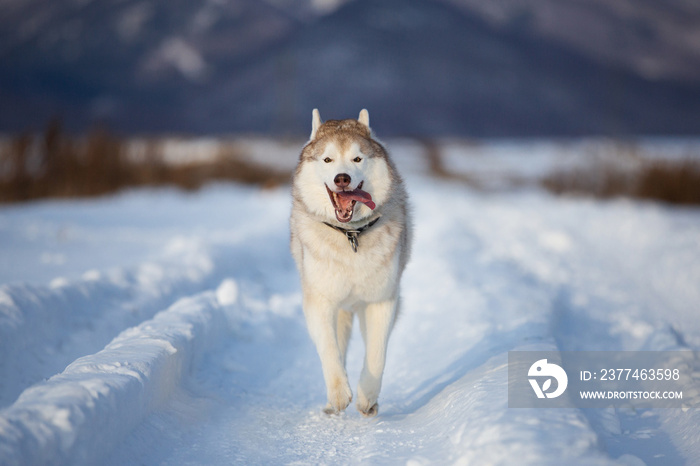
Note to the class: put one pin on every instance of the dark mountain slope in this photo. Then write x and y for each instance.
(421, 67)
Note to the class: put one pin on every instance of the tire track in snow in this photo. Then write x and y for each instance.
(612, 302)
(76, 417)
(79, 415)
(593, 258)
(34, 319)
(44, 328)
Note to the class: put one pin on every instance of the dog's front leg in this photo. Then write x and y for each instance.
(376, 322)
(322, 320)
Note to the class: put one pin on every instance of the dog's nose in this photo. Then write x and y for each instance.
(342, 180)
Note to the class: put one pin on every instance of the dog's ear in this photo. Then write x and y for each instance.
(315, 123)
(364, 117)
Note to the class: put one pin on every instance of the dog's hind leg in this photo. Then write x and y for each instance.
(376, 323)
(344, 332)
(322, 322)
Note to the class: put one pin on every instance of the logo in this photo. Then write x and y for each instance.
(543, 369)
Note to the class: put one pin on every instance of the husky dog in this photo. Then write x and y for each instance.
(350, 238)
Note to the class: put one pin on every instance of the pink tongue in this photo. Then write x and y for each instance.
(357, 195)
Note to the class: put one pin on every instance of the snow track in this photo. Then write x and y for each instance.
(77, 415)
(43, 328)
(226, 373)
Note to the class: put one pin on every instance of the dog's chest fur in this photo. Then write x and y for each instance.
(328, 264)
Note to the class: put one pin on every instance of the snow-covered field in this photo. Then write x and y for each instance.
(156, 327)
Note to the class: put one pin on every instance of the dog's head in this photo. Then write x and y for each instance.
(343, 172)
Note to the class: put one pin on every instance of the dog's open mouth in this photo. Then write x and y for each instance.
(344, 202)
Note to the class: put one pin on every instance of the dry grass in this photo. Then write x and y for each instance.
(665, 180)
(608, 170)
(673, 182)
(57, 165)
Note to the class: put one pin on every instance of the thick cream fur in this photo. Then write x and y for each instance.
(338, 283)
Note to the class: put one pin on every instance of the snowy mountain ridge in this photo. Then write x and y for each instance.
(237, 66)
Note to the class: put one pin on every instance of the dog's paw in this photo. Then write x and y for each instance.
(339, 396)
(367, 394)
(368, 411)
(329, 410)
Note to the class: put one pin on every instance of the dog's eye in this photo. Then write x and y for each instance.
(357, 159)
(328, 160)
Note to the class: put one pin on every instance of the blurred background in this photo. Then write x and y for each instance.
(425, 69)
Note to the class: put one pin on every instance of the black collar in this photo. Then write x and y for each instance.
(354, 233)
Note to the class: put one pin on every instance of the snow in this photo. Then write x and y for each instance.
(155, 327)
(503, 163)
(130, 24)
(177, 53)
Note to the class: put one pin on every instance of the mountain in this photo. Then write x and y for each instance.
(127, 60)
(657, 39)
(422, 68)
